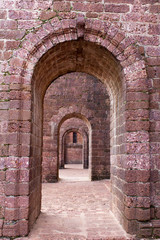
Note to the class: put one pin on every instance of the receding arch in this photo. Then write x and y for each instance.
(112, 58)
(85, 142)
(88, 139)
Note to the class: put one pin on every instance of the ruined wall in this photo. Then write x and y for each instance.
(139, 20)
(81, 91)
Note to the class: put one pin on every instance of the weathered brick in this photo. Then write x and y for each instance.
(12, 34)
(16, 214)
(116, 8)
(153, 51)
(155, 8)
(21, 14)
(154, 29)
(47, 15)
(8, 24)
(142, 214)
(3, 14)
(62, 6)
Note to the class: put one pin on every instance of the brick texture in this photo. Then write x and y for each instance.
(64, 93)
(116, 41)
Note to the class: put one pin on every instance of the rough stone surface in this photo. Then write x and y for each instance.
(116, 41)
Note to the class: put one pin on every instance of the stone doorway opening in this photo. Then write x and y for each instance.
(73, 148)
(74, 143)
(76, 105)
(91, 58)
(74, 151)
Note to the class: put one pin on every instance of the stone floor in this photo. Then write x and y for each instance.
(74, 173)
(76, 209)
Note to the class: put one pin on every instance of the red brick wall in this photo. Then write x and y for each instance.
(73, 154)
(22, 25)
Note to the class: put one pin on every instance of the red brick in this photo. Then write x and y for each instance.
(8, 24)
(137, 115)
(16, 62)
(88, 7)
(17, 202)
(91, 15)
(116, 8)
(156, 232)
(157, 213)
(155, 223)
(143, 189)
(137, 105)
(3, 14)
(119, 1)
(154, 148)
(62, 6)
(153, 61)
(154, 29)
(16, 189)
(146, 232)
(137, 148)
(47, 15)
(153, 51)
(155, 8)
(143, 202)
(142, 214)
(139, 17)
(137, 125)
(2, 175)
(137, 137)
(21, 14)
(139, 96)
(19, 228)
(130, 189)
(16, 214)
(25, 4)
(13, 34)
(130, 213)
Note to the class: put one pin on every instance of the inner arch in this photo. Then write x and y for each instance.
(76, 56)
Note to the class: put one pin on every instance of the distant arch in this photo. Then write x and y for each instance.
(85, 146)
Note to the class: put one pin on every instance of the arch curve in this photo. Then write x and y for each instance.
(104, 52)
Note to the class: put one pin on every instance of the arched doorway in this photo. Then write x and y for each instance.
(88, 46)
(65, 98)
(73, 144)
(77, 139)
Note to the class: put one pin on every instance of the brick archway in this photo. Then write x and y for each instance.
(56, 123)
(97, 48)
(85, 151)
(83, 130)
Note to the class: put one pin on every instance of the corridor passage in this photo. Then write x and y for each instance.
(76, 209)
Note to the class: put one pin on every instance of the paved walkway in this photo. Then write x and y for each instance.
(76, 210)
